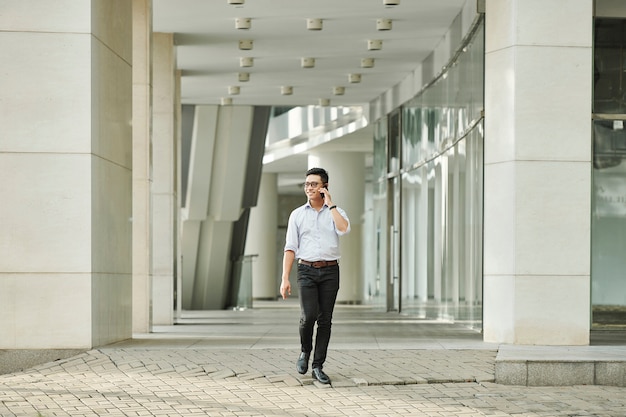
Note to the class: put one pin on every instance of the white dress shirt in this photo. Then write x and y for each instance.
(312, 234)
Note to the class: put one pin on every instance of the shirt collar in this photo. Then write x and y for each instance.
(308, 205)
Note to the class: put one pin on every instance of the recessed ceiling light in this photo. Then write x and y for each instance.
(391, 2)
(314, 24)
(324, 102)
(243, 23)
(383, 24)
(286, 90)
(236, 1)
(243, 77)
(367, 63)
(354, 78)
(338, 91)
(233, 89)
(374, 44)
(308, 62)
(246, 61)
(226, 101)
(246, 44)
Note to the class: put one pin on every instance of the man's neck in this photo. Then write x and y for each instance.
(316, 203)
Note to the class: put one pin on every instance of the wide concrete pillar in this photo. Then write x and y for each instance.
(215, 191)
(164, 159)
(261, 240)
(142, 166)
(196, 208)
(226, 185)
(538, 72)
(346, 182)
(65, 173)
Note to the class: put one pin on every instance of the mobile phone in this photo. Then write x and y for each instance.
(322, 194)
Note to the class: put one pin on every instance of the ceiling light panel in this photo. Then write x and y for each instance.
(383, 24)
(374, 44)
(246, 44)
(307, 62)
(246, 61)
(354, 78)
(367, 63)
(243, 23)
(314, 24)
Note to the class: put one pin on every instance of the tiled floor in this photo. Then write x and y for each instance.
(242, 363)
(275, 325)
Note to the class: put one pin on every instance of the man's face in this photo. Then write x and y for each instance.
(312, 186)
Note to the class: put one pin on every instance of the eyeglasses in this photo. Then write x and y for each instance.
(311, 184)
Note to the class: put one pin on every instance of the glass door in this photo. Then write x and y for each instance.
(394, 219)
(394, 283)
(608, 222)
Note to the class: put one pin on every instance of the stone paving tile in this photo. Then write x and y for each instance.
(173, 382)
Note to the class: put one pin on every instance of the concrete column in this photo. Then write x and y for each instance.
(65, 174)
(178, 194)
(261, 240)
(227, 177)
(346, 182)
(142, 165)
(538, 73)
(164, 178)
(198, 190)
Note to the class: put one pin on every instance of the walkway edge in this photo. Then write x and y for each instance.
(561, 365)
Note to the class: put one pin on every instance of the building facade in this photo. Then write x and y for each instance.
(491, 192)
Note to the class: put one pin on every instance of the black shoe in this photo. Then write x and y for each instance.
(302, 365)
(321, 376)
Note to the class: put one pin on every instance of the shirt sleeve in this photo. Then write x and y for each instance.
(291, 238)
(345, 216)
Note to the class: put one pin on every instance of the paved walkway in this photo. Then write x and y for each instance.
(243, 364)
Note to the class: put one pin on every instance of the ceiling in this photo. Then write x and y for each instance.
(208, 54)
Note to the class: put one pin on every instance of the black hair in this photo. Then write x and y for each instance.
(319, 171)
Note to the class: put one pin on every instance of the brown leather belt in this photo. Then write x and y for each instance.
(318, 264)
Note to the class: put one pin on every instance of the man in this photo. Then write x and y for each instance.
(313, 238)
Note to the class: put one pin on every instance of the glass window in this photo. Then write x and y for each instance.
(412, 135)
(608, 224)
(394, 142)
(609, 66)
(380, 149)
(433, 144)
(442, 186)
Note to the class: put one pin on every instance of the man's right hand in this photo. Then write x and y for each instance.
(285, 289)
